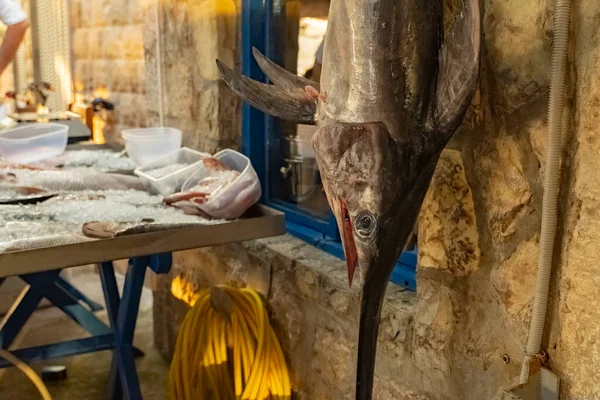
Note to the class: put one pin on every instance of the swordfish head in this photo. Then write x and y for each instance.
(393, 90)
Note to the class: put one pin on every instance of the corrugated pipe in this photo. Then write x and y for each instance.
(551, 184)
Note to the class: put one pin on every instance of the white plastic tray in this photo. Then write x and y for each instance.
(171, 183)
(145, 145)
(33, 142)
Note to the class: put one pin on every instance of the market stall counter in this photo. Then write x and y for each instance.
(88, 208)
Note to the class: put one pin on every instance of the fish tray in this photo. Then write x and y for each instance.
(33, 142)
(172, 182)
(237, 196)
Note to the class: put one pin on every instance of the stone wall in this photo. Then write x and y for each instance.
(108, 52)
(312, 310)
(27, 46)
(193, 35)
(575, 314)
(461, 336)
(479, 226)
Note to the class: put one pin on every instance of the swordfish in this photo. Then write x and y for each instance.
(394, 88)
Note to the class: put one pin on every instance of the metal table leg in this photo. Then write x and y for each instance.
(66, 286)
(123, 316)
(122, 313)
(69, 304)
(27, 303)
(43, 285)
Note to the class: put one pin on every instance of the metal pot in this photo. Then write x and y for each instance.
(300, 178)
(294, 147)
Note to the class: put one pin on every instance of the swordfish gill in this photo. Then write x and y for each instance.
(393, 91)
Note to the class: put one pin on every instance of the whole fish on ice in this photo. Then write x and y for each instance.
(393, 91)
(66, 181)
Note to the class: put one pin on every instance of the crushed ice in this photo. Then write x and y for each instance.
(65, 214)
(86, 195)
(97, 160)
(157, 173)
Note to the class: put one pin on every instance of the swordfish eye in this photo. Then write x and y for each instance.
(365, 224)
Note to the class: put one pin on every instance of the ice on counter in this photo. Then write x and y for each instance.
(98, 160)
(63, 216)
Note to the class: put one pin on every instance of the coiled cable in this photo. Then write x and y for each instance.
(227, 349)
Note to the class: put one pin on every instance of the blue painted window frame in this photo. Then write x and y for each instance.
(260, 19)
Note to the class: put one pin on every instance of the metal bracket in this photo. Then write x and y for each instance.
(543, 385)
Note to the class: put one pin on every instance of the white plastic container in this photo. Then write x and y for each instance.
(232, 201)
(147, 132)
(33, 142)
(145, 145)
(171, 183)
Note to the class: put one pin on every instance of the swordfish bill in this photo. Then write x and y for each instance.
(393, 91)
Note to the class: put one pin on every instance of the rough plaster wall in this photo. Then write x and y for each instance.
(484, 314)
(462, 335)
(478, 226)
(576, 316)
(108, 50)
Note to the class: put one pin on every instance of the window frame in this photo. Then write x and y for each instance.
(260, 22)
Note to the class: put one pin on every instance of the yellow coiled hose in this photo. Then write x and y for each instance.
(227, 349)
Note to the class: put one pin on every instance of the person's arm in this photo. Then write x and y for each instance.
(10, 44)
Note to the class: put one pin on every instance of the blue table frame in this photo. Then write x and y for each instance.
(122, 314)
(66, 286)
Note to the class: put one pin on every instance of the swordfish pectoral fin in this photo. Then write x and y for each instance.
(458, 68)
(281, 76)
(291, 104)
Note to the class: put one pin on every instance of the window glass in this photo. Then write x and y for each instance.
(298, 180)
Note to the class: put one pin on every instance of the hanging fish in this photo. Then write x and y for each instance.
(393, 91)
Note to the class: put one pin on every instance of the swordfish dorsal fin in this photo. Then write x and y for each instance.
(287, 99)
(281, 76)
(458, 68)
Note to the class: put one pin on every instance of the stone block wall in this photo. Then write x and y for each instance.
(108, 52)
(462, 334)
(193, 35)
(479, 226)
(28, 48)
